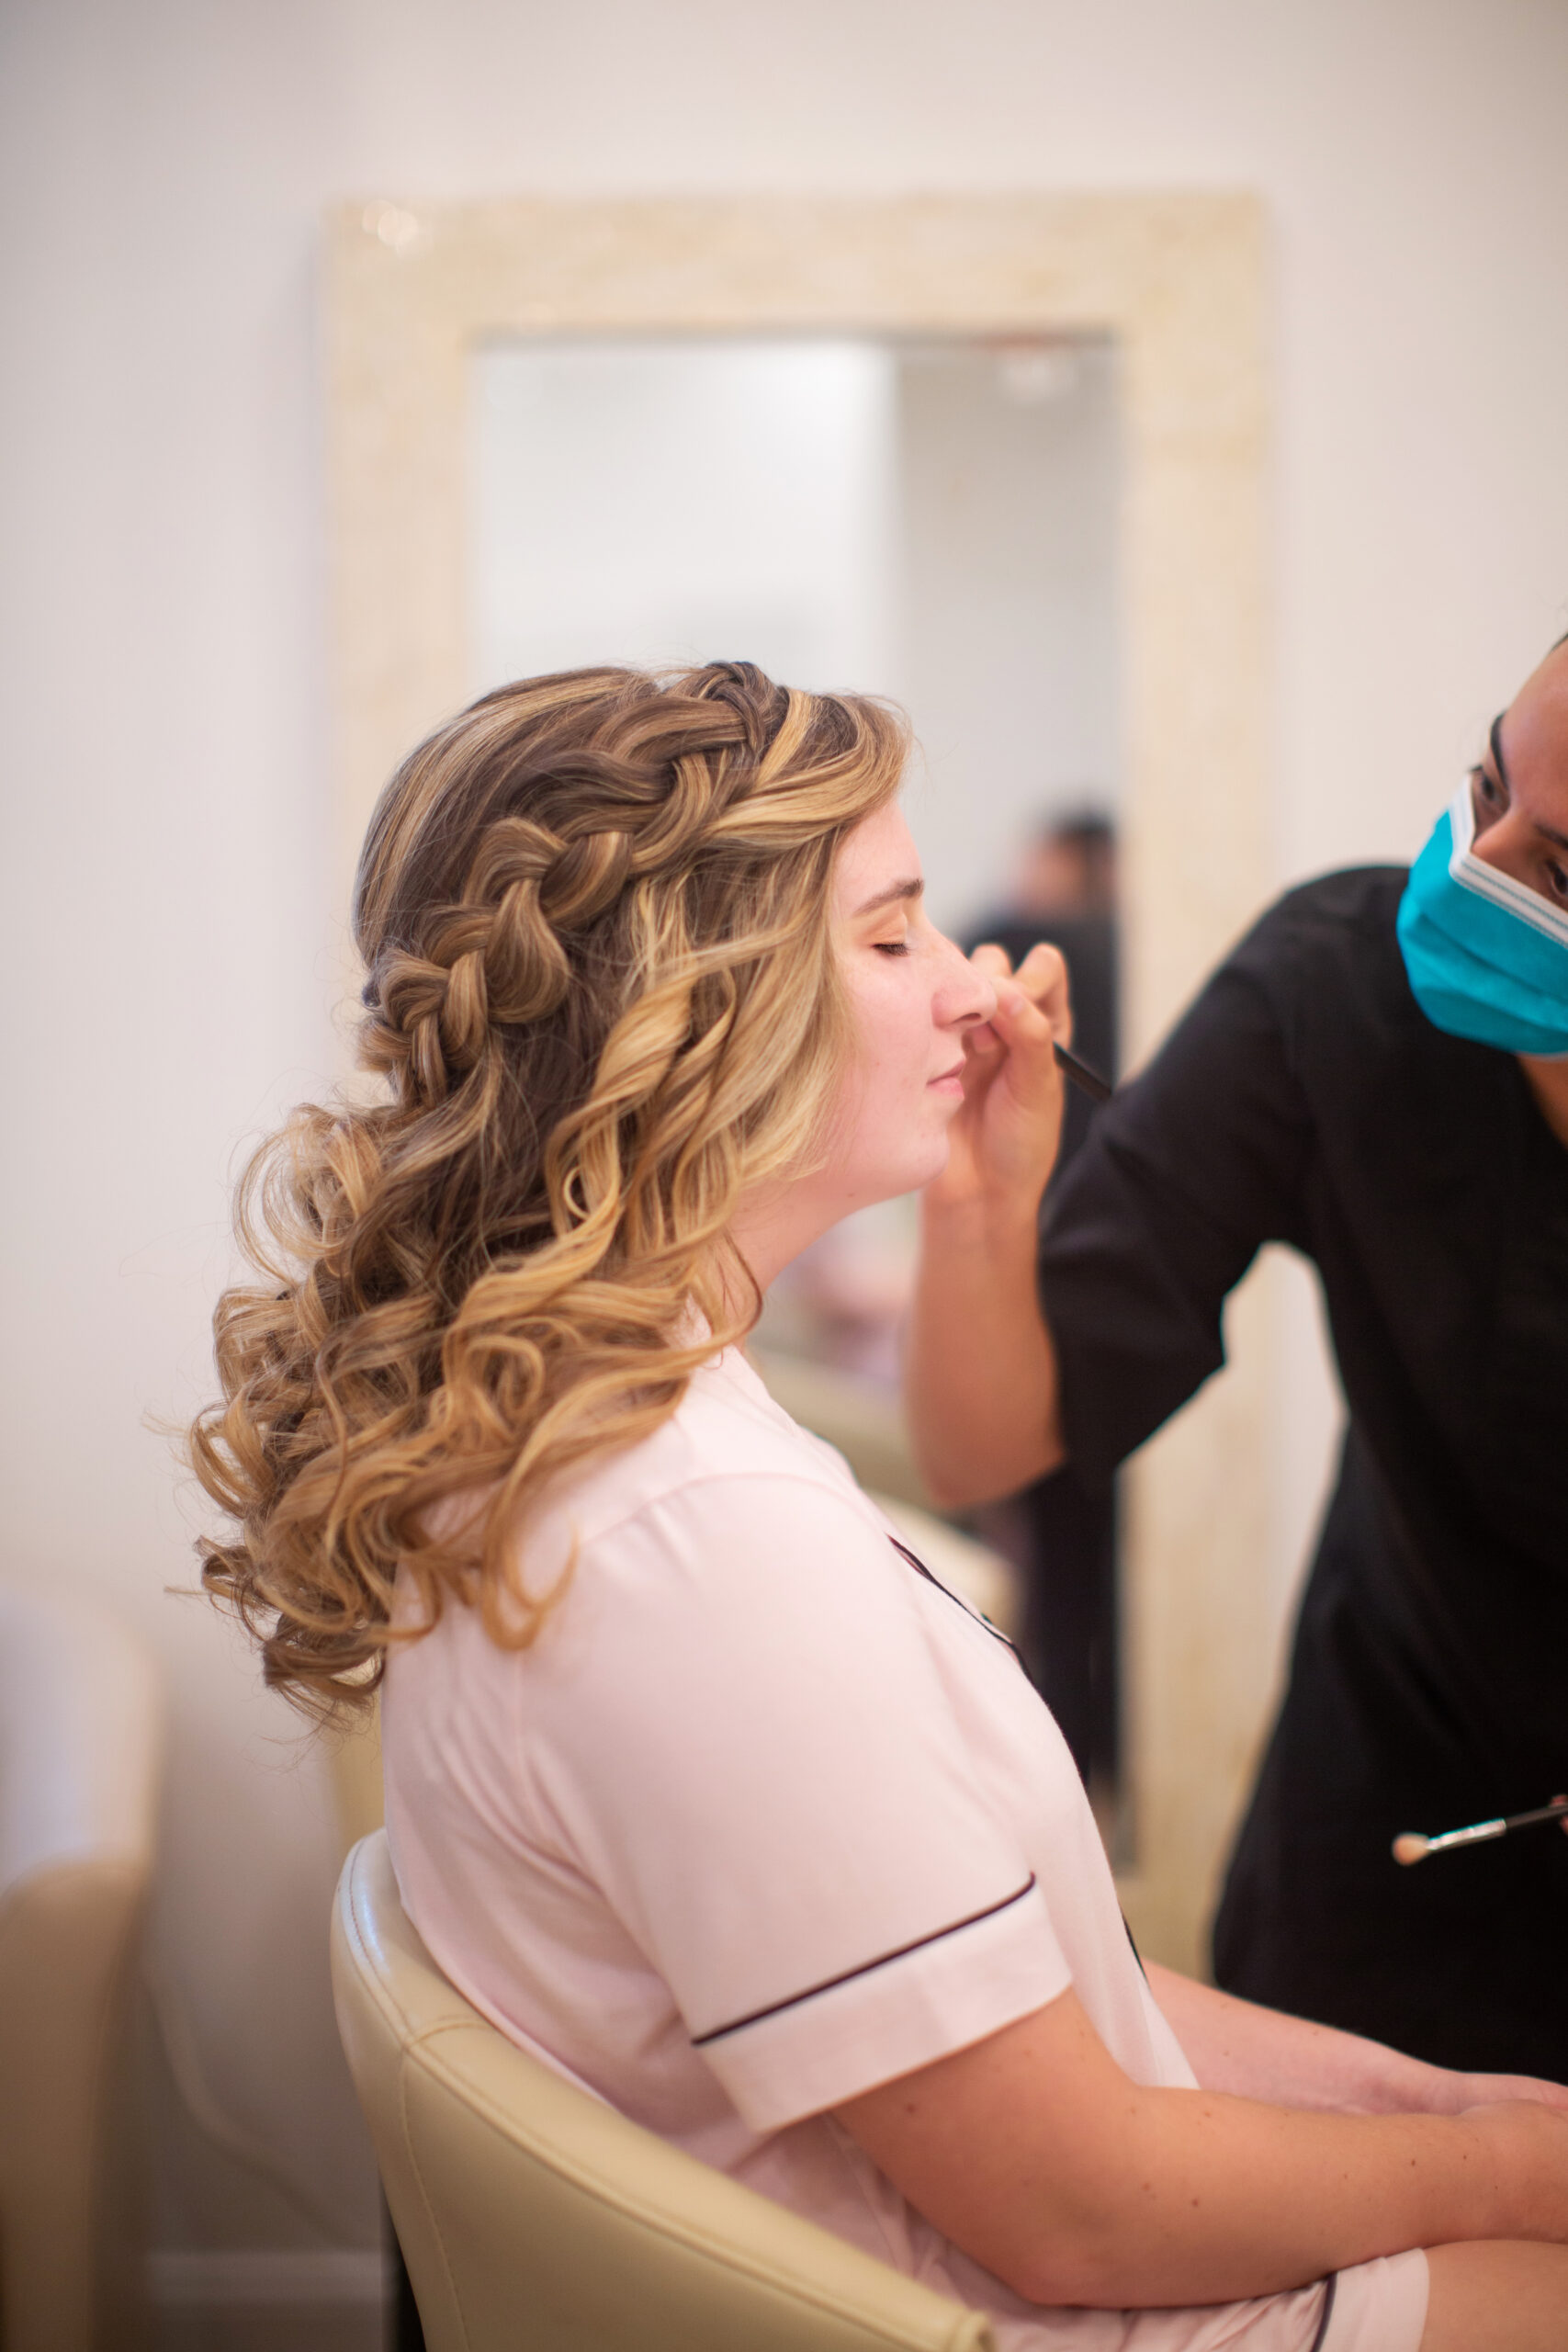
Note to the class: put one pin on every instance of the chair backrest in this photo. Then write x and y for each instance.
(531, 2214)
(80, 1724)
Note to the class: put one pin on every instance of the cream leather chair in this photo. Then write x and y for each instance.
(79, 1744)
(534, 2218)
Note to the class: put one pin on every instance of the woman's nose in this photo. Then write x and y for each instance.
(965, 996)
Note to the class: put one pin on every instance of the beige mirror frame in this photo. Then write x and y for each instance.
(1180, 282)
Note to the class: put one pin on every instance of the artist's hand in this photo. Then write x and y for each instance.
(1451, 2093)
(1003, 1141)
(1485, 2090)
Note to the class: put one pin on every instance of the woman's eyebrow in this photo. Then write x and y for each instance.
(912, 888)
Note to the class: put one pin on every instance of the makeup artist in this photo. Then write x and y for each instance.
(1378, 1076)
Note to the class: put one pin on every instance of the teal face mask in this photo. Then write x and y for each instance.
(1487, 958)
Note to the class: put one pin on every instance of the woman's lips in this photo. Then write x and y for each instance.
(951, 1082)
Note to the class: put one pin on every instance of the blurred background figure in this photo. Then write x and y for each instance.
(1059, 1534)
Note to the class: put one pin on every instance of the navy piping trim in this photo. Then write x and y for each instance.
(973, 1615)
(775, 2008)
(1317, 2341)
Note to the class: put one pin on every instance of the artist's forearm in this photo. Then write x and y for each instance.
(1236, 2046)
(981, 1375)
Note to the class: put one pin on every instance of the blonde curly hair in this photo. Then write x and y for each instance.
(593, 910)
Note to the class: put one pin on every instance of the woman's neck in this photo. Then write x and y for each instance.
(776, 1222)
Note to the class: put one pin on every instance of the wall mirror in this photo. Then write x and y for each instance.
(1002, 458)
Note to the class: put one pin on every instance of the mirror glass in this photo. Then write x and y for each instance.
(936, 521)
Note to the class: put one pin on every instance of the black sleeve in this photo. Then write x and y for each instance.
(1185, 1175)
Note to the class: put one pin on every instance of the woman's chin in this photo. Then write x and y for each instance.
(894, 1184)
(931, 1163)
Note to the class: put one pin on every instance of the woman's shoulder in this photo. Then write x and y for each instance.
(726, 1542)
(720, 1534)
(727, 1449)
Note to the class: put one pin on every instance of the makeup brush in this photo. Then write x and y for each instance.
(1088, 1082)
(1411, 1847)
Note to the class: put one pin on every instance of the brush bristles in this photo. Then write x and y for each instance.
(1411, 1847)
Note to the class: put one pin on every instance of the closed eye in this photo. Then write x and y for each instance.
(891, 946)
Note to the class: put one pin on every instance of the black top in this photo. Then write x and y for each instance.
(1306, 1098)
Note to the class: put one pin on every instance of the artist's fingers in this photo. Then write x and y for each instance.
(1041, 968)
(1027, 1028)
(1032, 1011)
(993, 961)
(1042, 971)
(1042, 977)
(1486, 2090)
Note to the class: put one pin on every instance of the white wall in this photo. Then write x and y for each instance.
(165, 165)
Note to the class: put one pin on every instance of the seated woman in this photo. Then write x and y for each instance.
(698, 1785)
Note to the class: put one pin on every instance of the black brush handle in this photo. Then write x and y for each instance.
(1088, 1082)
(1555, 1811)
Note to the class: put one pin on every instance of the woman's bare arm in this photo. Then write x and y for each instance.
(981, 1375)
(1041, 2159)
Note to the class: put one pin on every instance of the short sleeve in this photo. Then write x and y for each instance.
(1194, 1165)
(772, 1791)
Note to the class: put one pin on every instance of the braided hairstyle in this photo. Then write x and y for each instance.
(602, 997)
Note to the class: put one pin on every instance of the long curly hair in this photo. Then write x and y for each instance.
(602, 1001)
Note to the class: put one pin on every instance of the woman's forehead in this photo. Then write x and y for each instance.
(877, 853)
